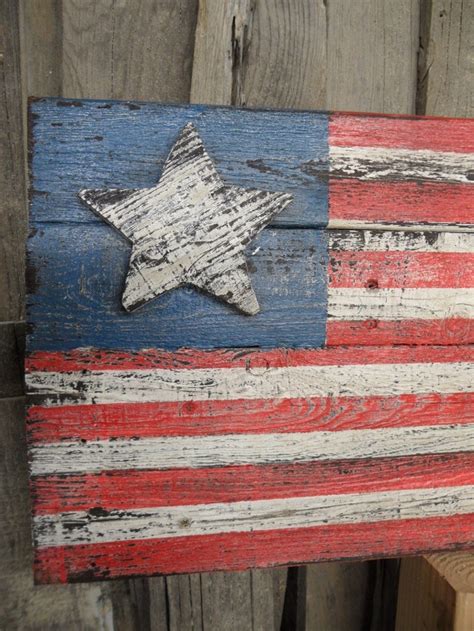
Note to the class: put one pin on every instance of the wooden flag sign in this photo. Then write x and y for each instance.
(251, 337)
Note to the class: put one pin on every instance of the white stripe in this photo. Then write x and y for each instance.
(370, 241)
(80, 527)
(202, 384)
(373, 163)
(171, 452)
(360, 303)
(406, 226)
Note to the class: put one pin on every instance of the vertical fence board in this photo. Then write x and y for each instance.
(77, 48)
(41, 32)
(12, 174)
(329, 54)
(437, 592)
(371, 55)
(446, 67)
(284, 62)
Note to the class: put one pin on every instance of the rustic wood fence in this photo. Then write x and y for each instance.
(373, 55)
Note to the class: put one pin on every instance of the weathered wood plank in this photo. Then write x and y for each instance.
(332, 584)
(445, 62)
(437, 591)
(12, 174)
(240, 34)
(108, 49)
(285, 62)
(222, 33)
(92, 144)
(371, 55)
(296, 315)
(41, 34)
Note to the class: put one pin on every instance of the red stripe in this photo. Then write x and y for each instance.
(94, 359)
(386, 333)
(401, 269)
(441, 134)
(395, 202)
(142, 489)
(239, 551)
(202, 418)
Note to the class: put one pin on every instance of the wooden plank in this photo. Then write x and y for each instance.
(297, 318)
(332, 584)
(371, 55)
(110, 49)
(445, 68)
(241, 34)
(220, 82)
(107, 49)
(371, 66)
(250, 149)
(437, 592)
(12, 179)
(41, 34)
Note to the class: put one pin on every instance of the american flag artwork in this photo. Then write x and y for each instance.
(299, 387)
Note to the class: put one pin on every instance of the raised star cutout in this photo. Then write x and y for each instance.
(189, 229)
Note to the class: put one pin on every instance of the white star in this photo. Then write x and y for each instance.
(189, 229)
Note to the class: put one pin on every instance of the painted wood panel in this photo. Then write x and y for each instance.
(315, 475)
(339, 287)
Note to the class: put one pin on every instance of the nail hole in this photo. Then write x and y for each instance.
(372, 284)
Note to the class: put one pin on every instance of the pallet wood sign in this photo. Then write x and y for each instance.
(250, 337)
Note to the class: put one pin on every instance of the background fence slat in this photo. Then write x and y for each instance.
(437, 591)
(371, 55)
(446, 68)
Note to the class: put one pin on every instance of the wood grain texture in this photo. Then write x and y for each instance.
(222, 34)
(446, 67)
(109, 49)
(284, 57)
(94, 144)
(371, 55)
(132, 50)
(12, 173)
(371, 52)
(296, 319)
(437, 592)
(41, 33)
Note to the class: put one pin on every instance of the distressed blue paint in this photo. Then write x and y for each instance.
(80, 272)
(99, 144)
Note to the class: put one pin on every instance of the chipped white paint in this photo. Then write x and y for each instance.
(189, 229)
(78, 527)
(360, 303)
(406, 226)
(376, 163)
(370, 241)
(115, 386)
(171, 452)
